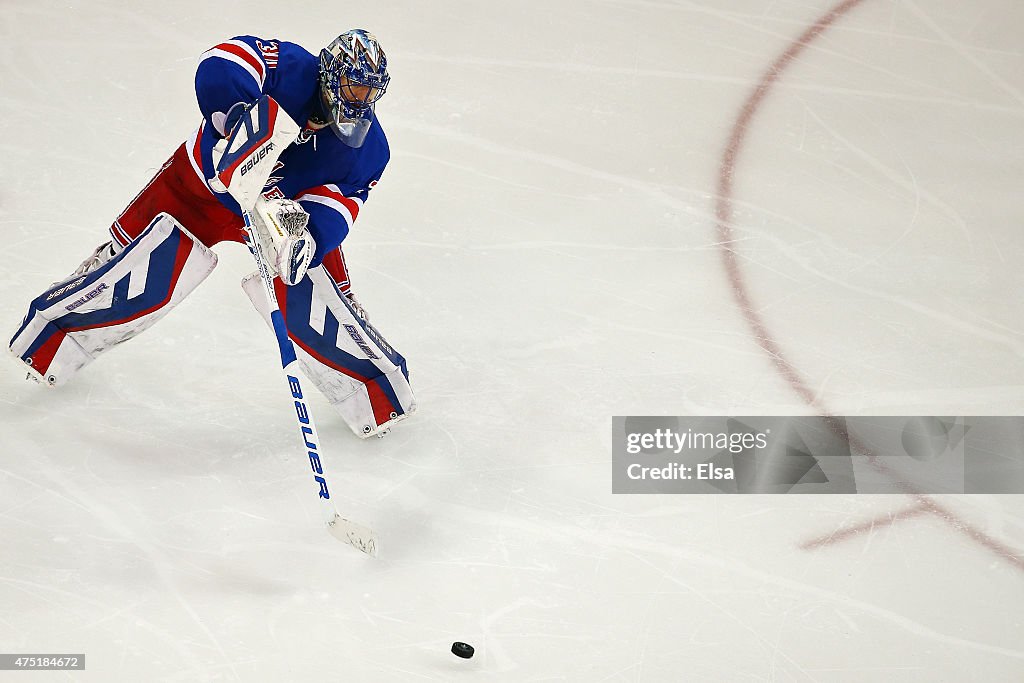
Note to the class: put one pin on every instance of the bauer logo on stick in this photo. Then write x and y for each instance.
(314, 457)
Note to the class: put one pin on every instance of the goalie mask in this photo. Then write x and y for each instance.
(353, 75)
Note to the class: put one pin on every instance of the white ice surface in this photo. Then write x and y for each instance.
(543, 250)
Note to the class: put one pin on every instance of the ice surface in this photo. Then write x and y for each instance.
(543, 249)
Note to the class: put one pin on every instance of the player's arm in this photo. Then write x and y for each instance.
(232, 74)
(333, 210)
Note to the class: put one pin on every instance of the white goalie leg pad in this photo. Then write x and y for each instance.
(347, 359)
(76, 320)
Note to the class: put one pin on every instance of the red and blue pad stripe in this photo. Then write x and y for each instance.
(67, 326)
(353, 348)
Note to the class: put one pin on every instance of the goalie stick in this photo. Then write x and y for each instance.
(260, 136)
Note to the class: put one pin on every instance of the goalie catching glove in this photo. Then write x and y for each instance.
(284, 241)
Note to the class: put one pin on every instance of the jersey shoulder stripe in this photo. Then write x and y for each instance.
(332, 197)
(242, 54)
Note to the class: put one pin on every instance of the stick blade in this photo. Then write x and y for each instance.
(360, 537)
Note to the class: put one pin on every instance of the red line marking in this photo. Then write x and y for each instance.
(741, 293)
(877, 523)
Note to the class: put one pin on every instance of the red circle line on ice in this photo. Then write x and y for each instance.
(741, 294)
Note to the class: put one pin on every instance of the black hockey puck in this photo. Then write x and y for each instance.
(464, 650)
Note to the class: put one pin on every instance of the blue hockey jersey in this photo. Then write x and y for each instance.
(327, 177)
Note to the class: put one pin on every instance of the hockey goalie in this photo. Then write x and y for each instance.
(161, 244)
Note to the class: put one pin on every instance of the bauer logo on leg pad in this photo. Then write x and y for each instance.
(91, 294)
(358, 339)
(64, 289)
